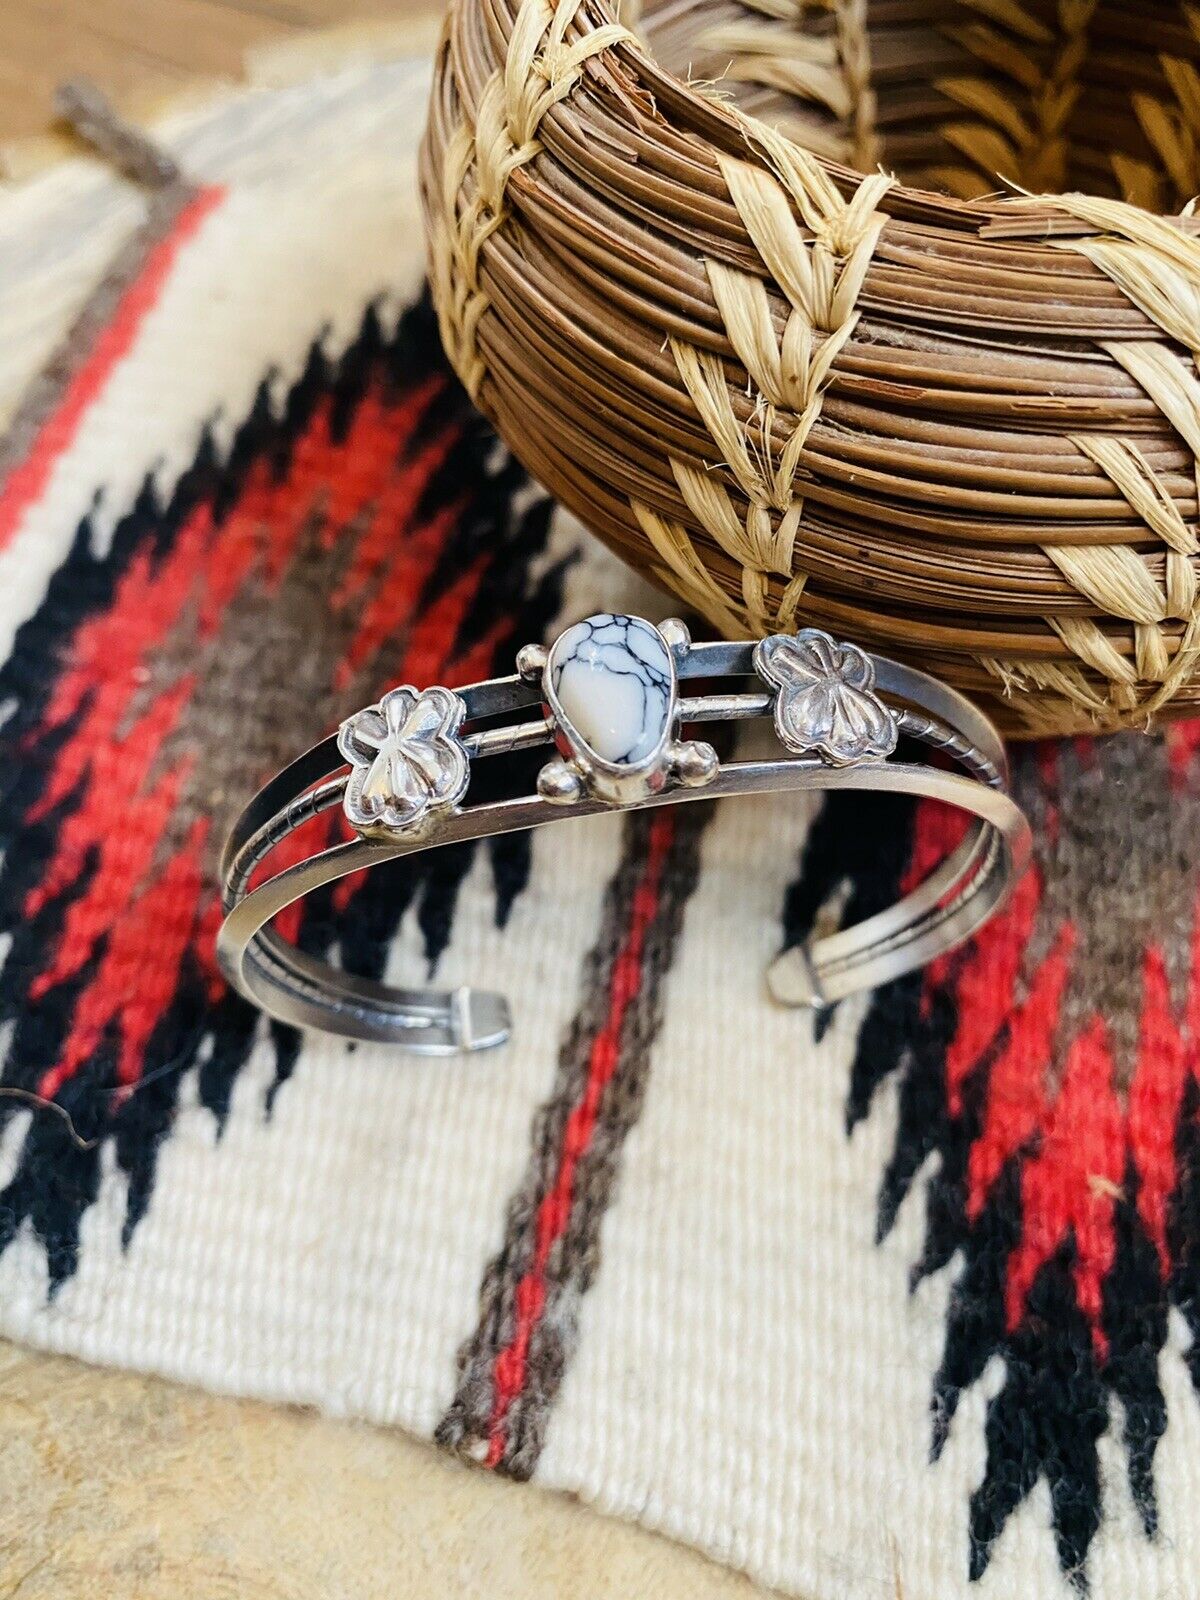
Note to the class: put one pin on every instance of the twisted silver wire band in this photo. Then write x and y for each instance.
(949, 906)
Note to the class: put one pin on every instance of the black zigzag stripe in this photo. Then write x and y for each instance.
(1054, 1403)
(59, 1162)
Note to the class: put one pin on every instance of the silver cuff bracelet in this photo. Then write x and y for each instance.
(609, 695)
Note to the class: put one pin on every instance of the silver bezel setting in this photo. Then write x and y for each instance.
(578, 771)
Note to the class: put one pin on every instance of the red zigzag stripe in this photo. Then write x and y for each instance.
(28, 479)
(512, 1365)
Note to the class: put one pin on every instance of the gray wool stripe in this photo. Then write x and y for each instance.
(574, 1258)
(1118, 867)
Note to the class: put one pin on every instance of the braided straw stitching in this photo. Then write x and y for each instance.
(540, 70)
(854, 47)
(821, 278)
(832, 72)
(1030, 149)
(1158, 267)
(1172, 130)
(778, 54)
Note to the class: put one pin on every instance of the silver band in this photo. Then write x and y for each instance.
(609, 694)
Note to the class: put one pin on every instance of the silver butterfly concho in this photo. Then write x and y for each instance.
(407, 762)
(826, 702)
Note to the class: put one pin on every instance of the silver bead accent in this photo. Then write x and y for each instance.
(694, 763)
(531, 661)
(560, 783)
(677, 634)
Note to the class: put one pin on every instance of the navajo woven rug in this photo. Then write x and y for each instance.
(905, 1302)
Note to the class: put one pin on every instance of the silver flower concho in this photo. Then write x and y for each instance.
(407, 762)
(826, 701)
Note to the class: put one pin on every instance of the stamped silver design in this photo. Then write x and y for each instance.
(612, 695)
(825, 702)
(610, 684)
(407, 763)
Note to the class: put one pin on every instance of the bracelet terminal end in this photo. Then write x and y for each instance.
(449, 1022)
(478, 1019)
(792, 980)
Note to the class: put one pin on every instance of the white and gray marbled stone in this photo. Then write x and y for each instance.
(611, 677)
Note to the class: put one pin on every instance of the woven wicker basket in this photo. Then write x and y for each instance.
(961, 427)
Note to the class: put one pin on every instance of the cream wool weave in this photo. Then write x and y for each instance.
(712, 1265)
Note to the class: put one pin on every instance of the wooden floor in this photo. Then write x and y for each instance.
(120, 1487)
(143, 48)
